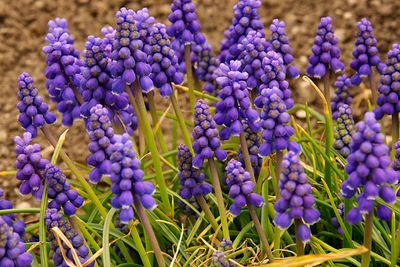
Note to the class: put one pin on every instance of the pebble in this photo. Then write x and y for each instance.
(23, 205)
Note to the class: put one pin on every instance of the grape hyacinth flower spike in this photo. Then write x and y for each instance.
(279, 42)
(33, 110)
(342, 94)
(253, 143)
(219, 258)
(344, 130)
(63, 71)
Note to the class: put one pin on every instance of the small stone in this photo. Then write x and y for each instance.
(301, 114)
(23, 205)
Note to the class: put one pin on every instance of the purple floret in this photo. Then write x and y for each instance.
(342, 94)
(219, 258)
(253, 144)
(325, 51)
(344, 130)
(368, 168)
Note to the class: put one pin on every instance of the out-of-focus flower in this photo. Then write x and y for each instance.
(344, 130)
(342, 94)
(253, 144)
(205, 65)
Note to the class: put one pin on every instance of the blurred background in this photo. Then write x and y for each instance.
(23, 25)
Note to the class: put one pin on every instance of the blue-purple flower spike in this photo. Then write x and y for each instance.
(163, 60)
(205, 65)
(365, 53)
(127, 179)
(389, 87)
(342, 94)
(325, 51)
(55, 219)
(100, 135)
(33, 110)
(253, 144)
(63, 70)
(296, 201)
(344, 130)
(129, 60)
(241, 188)
(30, 166)
(280, 44)
(205, 134)
(219, 258)
(235, 104)
(368, 167)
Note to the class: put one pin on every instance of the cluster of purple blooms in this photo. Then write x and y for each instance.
(219, 258)
(296, 201)
(235, 104)
(325, 51)
(127, 179)
(342, 94)
(368, 167)
(344, 130)
(253, 144)
(205, 65)
(365, 53)
(205, 134)
(63, 70)
(33, 110)
(54, 219)
(389, 87)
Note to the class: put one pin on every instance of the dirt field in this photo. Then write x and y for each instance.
(23, 25)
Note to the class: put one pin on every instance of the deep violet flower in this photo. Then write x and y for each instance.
(368, 167)
(33, 110)
(296, 201)
(235, 104)
(342, 94)
(205, 134)
(325, 51)
(365, 53)
(219, 258)
(344, 130)
(18, 226)
(280, 44)
(253, 144)
(63, 70)
(389, 87)
(396, 162)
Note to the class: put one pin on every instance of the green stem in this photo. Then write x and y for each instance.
(278, 169)
(152, 147)
(149, 231)
(246, 156)
(374, 91)
(299, 243)
(348, 204)
(394, 246)
(181, 122)
(189, 75)
(366, 257)
(154, 117)
(220, 198)
(139, 246)
(328, 130)
(42, 229)
(139, 120)
(210, 217)
(12, 211)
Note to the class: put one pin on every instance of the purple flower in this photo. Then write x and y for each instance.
(30, 165)
(63, 72)
(218, 258)
(342, 94)
(100, 135)
(344, 130)
(127, 179)
(97, 85)
(33, 110)
(235, 104)
(129, 60)
(368, 168)
(275, 122)
(60, 192)
(325, 51)
(296, 201)
(253, 144)
(163, 60)
(365, 53)
(205, 134)
(280, 44)
(107, 44)
(17, 225)
(55, 219)
(335, 221)
(396, 162)
(389, 86)
(241, 188)
(246, 19)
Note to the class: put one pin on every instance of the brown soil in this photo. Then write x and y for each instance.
(23, 25)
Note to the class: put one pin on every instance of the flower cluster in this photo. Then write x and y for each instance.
(342, 94)
(127, 179)
(205, 65)
(128, 58)
(325, 51)
(63, 70)
(218, 258)
(30, 166)
(190, 179)
(368, 168)
(365, 53)
(100, 134)
(275, 122)
(344, 130)
(396, 162)
(33, 110)
(55, 219)
(60, 192)
(280, 44)
(205, 134)
(296, 201)
(241, 188)
(163, 60)
(235, 104)
(107, 42)
(253, 143)
(246, 19)
(389, 87)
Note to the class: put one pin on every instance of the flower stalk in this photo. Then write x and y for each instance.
(366, 257)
